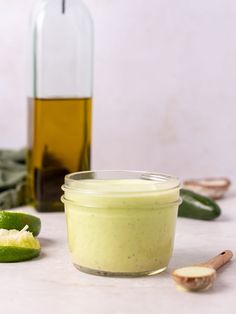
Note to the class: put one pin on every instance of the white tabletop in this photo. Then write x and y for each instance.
(51, 284)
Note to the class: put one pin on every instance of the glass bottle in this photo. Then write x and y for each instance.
(60, 98)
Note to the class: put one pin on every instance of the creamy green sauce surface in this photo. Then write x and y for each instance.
(121, 226)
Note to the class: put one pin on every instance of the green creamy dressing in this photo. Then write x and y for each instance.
(121, 226)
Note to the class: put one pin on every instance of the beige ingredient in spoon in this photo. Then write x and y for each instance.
(194, 278)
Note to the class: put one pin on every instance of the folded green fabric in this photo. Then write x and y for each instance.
(12, 178)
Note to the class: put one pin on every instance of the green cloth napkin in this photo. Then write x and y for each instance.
(12, 178)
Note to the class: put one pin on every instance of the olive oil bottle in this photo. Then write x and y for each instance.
(60, 99)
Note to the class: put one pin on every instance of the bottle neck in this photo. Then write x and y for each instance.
(63, 7)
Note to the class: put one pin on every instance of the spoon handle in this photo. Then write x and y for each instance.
(219, 260)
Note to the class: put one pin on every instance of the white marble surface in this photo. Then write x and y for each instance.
(51, 284)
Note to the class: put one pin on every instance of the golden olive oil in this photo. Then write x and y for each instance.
(59, 138)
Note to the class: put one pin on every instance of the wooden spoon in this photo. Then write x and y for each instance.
(201, 276)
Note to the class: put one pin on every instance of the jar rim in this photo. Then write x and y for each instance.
(78, 182)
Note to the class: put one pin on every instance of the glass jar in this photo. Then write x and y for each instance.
(60, 98)
(121, 223)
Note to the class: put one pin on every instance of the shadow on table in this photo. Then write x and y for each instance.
(45, 242)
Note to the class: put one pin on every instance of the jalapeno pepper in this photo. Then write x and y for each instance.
(197, 206)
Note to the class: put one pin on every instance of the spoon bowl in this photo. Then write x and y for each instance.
(194, 277)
